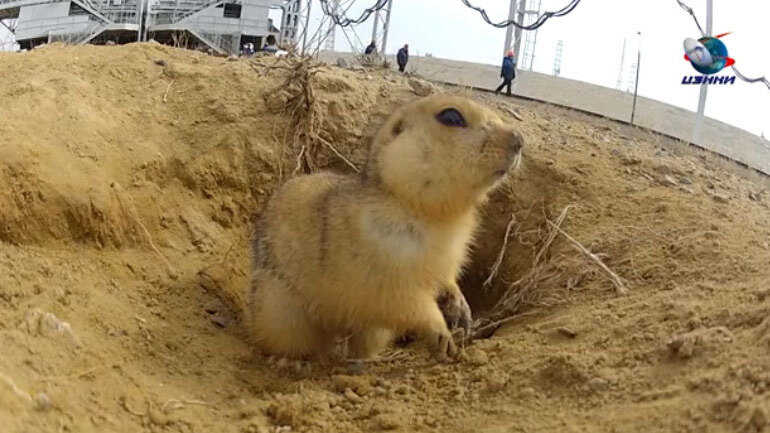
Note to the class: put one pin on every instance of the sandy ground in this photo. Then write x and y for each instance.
(130, 179)
(733, 142)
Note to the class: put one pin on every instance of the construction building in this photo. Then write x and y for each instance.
(221, 26)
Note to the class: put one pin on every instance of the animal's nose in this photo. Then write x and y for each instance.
(516, 142)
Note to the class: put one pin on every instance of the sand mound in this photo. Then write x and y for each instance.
(131, 177)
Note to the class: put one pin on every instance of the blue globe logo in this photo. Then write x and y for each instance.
(718, 52)
(708, 55)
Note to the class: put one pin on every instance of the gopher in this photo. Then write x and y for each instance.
(371, 256)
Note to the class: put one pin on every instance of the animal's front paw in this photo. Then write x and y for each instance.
(455, 309)
(444, 347)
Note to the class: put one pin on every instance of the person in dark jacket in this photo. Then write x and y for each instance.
(403, 57)
(508, 72)
(270, 46)
(371, 49)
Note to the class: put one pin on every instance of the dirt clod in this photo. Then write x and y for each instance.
(420, 87)
(477, 357)
(387, 422)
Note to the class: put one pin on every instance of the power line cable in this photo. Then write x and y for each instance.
(330, 30)
(538, 22)
(343, 21)
(761, 79)
(689, 10)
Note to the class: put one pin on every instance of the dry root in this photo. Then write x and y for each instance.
(501, 255)
(16, 390)
(620, 286)
(544, 272)
(165, 95)
(306, 118)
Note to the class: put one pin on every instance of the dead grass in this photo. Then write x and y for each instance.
(548, 280)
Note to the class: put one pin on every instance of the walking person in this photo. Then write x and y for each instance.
(371, 48)
(508, 73)
(402, 58)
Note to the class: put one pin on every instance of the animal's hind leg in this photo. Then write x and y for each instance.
(278, 321)
(368, 343)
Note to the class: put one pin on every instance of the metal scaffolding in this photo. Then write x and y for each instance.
(557, 58)
(533, 9)
(329, 30)
(7, 41)
(381, 26)
(330, 42)
(221, 26)
(629, 64)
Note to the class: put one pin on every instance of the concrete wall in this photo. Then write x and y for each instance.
(719, 137)
(37, 21)
(253, 20)
(256, 11)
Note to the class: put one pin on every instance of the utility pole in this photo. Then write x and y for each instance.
(638, 64)
(518, 12)
(307, 26)
(704, 86)
(517, 31)
(557, 58)
(387, 27)
(509, 29)
(139, 20)
(147, 17)
(374, 27)
(282, 28)
(329, 43)
(527, 55)
(381, 26)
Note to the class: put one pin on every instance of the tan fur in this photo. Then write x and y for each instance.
(365, 257)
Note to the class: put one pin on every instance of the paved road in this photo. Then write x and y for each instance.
(727, 140)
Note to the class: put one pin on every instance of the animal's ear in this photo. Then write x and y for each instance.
(451, 117)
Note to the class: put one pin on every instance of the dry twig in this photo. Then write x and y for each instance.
(300, 158)
(396, 355)
(512, 298)
(521, 291)
(620, 287)
(496, 266)
(16, 390)
(131, 211)
(174, 404)
(341, 156)
(165, 95)
(483, 331)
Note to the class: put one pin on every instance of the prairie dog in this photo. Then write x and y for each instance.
(366, 257)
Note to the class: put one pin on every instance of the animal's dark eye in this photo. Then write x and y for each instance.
(451, 117)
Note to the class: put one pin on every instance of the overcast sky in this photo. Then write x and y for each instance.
(593, 40)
